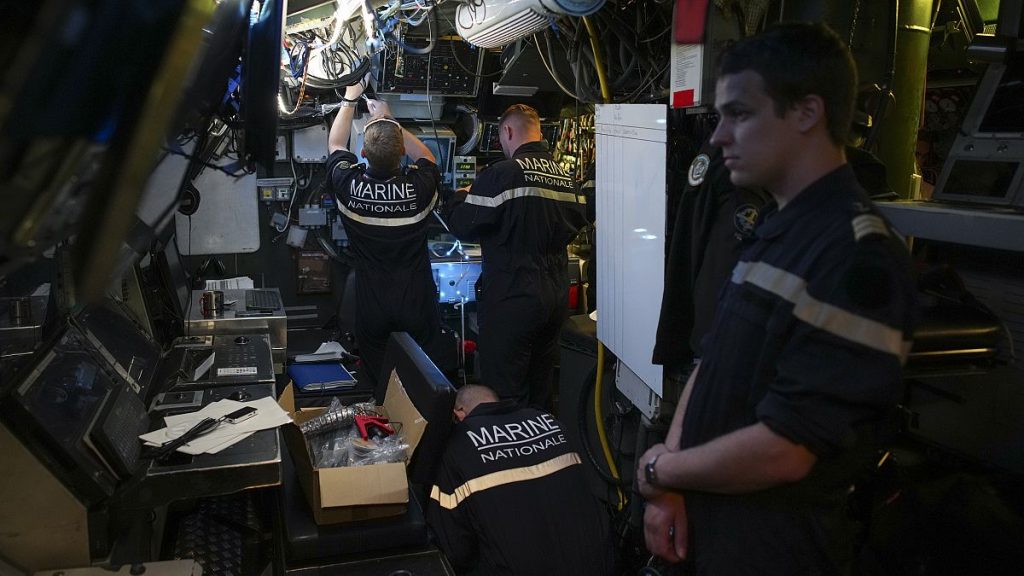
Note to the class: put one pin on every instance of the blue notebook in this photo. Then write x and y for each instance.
(324, 376)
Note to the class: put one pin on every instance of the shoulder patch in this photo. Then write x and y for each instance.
(413, 166)
(744, 219)
(344, 165)
(698, 169)
(868, 225)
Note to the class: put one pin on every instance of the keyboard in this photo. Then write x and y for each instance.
(262, 300)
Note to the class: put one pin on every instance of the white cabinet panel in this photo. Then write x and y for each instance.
(631, 232)
(228, 218)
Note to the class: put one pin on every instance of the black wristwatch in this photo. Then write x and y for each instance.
(650, 473)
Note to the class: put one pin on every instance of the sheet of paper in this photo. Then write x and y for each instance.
(237, 283)
(269, 415)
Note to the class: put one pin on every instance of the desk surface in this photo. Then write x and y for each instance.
(252, 463)
(987, 227)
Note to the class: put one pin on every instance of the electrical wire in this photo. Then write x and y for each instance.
(550, 68)
(606, 92)
(199, 160)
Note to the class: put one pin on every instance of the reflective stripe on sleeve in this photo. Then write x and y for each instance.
(822, 315)
(524, 192)
(377, 221)
(495, 479)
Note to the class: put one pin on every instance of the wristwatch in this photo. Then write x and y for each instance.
(650, 473)
(349, 103)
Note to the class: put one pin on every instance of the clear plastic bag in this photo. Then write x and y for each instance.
(389, 449)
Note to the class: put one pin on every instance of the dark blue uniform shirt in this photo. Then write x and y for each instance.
(809, 339)
(510, 497)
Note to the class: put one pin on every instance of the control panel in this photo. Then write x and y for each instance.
(404, 73)
(465, 171)
(489, 139)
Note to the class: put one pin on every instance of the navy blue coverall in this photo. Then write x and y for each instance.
(510, 498)
(524, 211)
(386, 217)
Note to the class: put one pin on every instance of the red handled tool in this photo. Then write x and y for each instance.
(373, 427)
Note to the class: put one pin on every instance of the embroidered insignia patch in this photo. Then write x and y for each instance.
(698, 169)
(745, 218)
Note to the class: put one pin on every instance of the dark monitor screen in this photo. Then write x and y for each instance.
(54, 407)
(430, 392)
(135, 356)
(981, 179)
(443, 149)
(1005, 110)
(174, 276)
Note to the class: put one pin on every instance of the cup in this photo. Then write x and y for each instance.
(212, 303)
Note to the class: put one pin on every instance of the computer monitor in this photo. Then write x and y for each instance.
(440, 140)
(998, 106)
(456, 280)
(430, 392)
(174, 276)
(54, 407)
(441, 143)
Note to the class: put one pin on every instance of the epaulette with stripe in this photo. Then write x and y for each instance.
(868, 225)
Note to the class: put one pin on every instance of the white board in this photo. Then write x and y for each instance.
(631, 232)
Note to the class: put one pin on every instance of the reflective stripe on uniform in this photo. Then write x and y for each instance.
(495, 479)
(821, 315)
(377, 221)
(524, 192)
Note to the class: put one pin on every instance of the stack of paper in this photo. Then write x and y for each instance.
(236, 283)
(268, 415)
(329, 350)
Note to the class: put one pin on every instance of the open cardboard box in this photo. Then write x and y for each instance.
(358, 492)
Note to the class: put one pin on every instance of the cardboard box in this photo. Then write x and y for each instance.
(357, 492)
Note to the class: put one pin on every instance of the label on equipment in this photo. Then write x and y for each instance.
(237, 371)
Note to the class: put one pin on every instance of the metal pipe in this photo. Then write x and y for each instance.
(897, 138)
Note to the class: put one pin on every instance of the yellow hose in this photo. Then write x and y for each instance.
(606, 92)
(599, 423)
(606, 95)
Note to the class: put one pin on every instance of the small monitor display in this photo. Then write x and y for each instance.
(456, 281)
(982, 179)
(1004, 113)
(443, 149)
(440, 140)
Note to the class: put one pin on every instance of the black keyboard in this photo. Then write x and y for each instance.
(262, 300)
